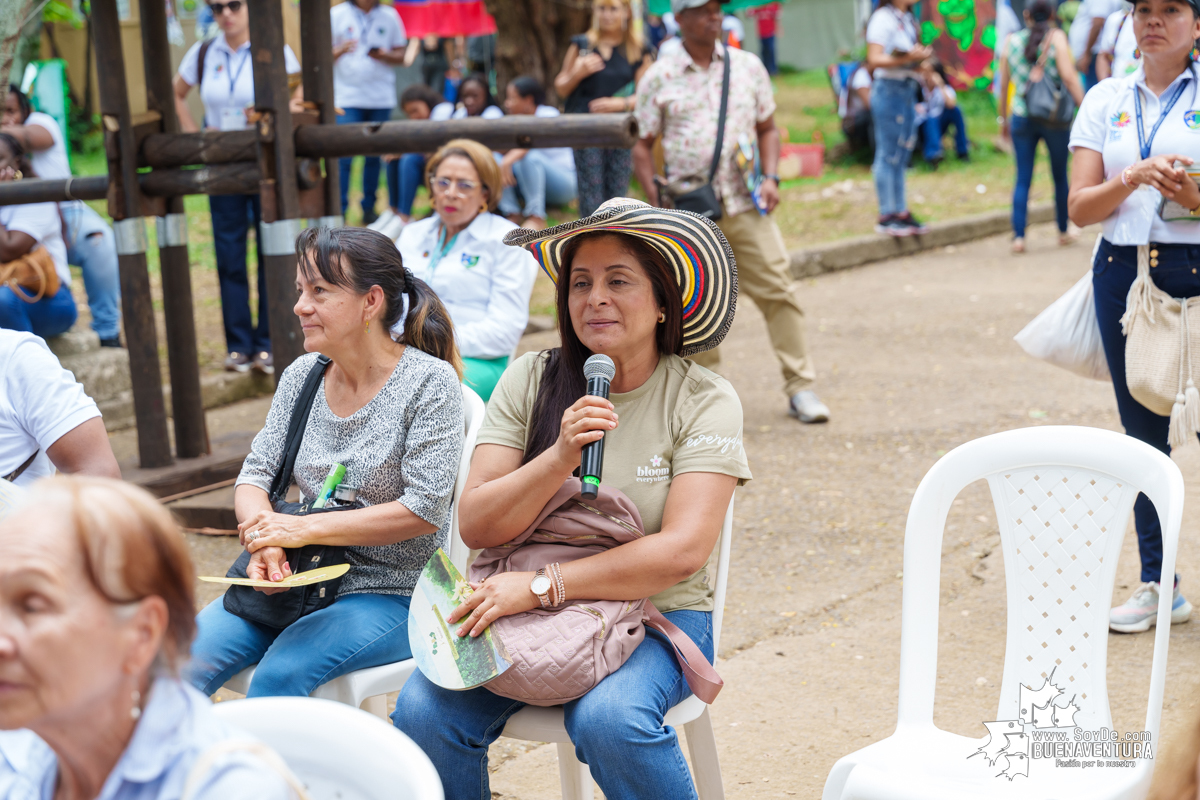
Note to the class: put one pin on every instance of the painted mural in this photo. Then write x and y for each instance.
(963, 36)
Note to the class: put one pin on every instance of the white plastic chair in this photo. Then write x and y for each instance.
(538, 724)
(1063, 497)
(339, 753)
(368, 688)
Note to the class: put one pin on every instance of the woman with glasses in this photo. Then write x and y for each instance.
(459, 251)
(220, 68)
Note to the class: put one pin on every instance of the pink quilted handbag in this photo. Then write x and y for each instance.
(559, 654)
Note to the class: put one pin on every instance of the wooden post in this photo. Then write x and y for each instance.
(278, 187)
(316, 41)
(124, 206)
(187, 405)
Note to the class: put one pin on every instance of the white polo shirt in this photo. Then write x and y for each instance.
(43, 222)
(360, 81)
(491, 112)
(228, 85)
(51, 163)
(1107, 123)
(484, 283)
(40, 402)
(1118, 41)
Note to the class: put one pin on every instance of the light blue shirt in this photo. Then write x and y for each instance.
(177, 726)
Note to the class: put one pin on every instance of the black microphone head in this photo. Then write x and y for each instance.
(599, 366)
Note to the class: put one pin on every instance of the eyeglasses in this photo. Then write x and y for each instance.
(218, 9)
(442, 185)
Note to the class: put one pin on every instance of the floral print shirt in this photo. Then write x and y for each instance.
(682, 102)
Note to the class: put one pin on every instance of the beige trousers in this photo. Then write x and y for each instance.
(764, 273)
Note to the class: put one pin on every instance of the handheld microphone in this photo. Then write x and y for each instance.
(599, 370)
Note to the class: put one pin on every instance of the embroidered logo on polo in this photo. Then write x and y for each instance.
(1120, 119)
(1192, 119)
(469, 261)
(655, 472)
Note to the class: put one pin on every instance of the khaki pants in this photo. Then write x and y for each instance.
(764, 273)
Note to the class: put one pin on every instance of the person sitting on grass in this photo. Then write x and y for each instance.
(406, 172)
(537, 177)
(459, 251)
(31, 232)
(940, 112)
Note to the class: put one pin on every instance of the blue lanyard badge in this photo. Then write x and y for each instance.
(1143, 143)
(444, 246)
(233, 76)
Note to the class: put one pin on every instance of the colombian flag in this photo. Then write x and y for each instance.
(445, 17)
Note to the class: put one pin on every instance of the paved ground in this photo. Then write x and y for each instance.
(916, 356)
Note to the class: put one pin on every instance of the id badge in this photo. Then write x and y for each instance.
(232, 119)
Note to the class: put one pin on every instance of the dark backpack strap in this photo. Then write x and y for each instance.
(200, 62)
(716, 161)
(16, 473)
(295, 434)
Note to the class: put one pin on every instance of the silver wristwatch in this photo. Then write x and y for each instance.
(540, 586)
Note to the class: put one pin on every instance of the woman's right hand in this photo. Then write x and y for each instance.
(1161, 173)
(919, 53)
(269, 564)
(588, 65)
(586, 421)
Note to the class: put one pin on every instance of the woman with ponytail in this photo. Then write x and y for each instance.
(1041, 43)
(389, 409)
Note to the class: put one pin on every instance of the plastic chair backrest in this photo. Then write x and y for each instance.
(1063, 497)
(722, 583)
(473, 411)
(337, 751)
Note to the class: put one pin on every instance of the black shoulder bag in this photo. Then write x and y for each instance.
(703, 200)
(282, 609)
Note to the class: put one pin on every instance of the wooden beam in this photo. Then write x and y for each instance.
(124, 203)
(279, 189)
(187, 405)
(399, 136)
(316, 42)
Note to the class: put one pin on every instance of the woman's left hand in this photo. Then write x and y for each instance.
(269, 529)
(506, 171)
(499, 596)
(608, 105)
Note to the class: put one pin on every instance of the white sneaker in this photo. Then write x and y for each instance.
(1140, 611)
(387, 216)
(393, 227)
(807, 407)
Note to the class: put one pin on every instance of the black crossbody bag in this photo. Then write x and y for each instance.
(282, 609)
(703, 200)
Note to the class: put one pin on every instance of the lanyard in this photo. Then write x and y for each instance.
(1137, 105)
(232, 75)
(443, 247)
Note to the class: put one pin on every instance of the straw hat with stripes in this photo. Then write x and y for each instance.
(693, 246)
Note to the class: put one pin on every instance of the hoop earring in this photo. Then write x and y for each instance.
(662, 317)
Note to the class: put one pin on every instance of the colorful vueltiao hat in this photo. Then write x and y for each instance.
(693, 246)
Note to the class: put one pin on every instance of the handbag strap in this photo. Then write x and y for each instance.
(296, 425)
(701, 678)
(716, 159)
(16, 473)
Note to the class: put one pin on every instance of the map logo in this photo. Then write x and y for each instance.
(1047, 730)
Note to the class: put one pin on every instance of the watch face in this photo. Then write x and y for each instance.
(540, 585)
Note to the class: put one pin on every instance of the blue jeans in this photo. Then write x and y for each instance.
(617, 727)
(92, 247)
(934, 128)
(48, 317)
(370, 176)
(1112, 274)
(540, 184)
(768, 54)
(232, 216)
(404, 176)
(1025, 135)
(893, 109)
(356, 632)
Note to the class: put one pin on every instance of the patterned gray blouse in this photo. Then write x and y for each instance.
(404, 445)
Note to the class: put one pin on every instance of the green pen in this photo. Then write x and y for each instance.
(336, 473)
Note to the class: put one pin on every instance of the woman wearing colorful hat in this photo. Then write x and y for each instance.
(647, 287)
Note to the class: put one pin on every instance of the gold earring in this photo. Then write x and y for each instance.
(662, 317)
(18, 175)
(483, 208)
(367, 329)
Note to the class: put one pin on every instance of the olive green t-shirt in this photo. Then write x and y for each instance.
(683, 419)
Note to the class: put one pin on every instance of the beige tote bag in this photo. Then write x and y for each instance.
(1161, 348)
